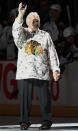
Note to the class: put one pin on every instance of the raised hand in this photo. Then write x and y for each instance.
(21, 12)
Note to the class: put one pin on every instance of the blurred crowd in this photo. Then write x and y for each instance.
(8, 51)
(64, 35)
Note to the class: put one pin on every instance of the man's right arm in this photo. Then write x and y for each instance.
(17, 29)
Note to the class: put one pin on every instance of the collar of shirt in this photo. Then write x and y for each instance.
(33, 32)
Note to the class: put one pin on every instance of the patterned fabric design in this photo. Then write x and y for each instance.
(36, 53)
(33, 47)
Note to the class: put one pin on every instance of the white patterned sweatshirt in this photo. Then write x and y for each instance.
(36, 53)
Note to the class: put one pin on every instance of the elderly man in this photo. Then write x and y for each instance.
(36, 56)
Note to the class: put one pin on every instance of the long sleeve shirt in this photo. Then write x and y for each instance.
(36, 53)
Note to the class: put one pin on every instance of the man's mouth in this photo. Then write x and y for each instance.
(35, 25)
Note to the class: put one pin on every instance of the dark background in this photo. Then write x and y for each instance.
(7, 5)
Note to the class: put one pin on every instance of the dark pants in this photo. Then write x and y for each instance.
(25, 95)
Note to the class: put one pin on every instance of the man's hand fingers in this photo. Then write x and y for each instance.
(56, 76)
(20, 5)
(21, 10)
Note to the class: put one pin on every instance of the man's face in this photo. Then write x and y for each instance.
(34, 23)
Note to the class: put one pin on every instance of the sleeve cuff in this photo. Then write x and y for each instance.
(17, 23)
(56, 69)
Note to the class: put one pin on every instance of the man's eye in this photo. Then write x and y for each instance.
(35, 21)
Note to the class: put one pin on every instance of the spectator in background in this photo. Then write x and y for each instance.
(11, 55)
(67, 50)
(12, 15)
(7, 42)
(69, 36)
(53, 26)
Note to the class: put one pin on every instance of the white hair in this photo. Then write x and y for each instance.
(28, 18)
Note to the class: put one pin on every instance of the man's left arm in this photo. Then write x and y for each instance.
(54, 61)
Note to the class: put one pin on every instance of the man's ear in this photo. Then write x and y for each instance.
(39, 24)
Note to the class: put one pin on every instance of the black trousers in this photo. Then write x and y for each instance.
(25, 97)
